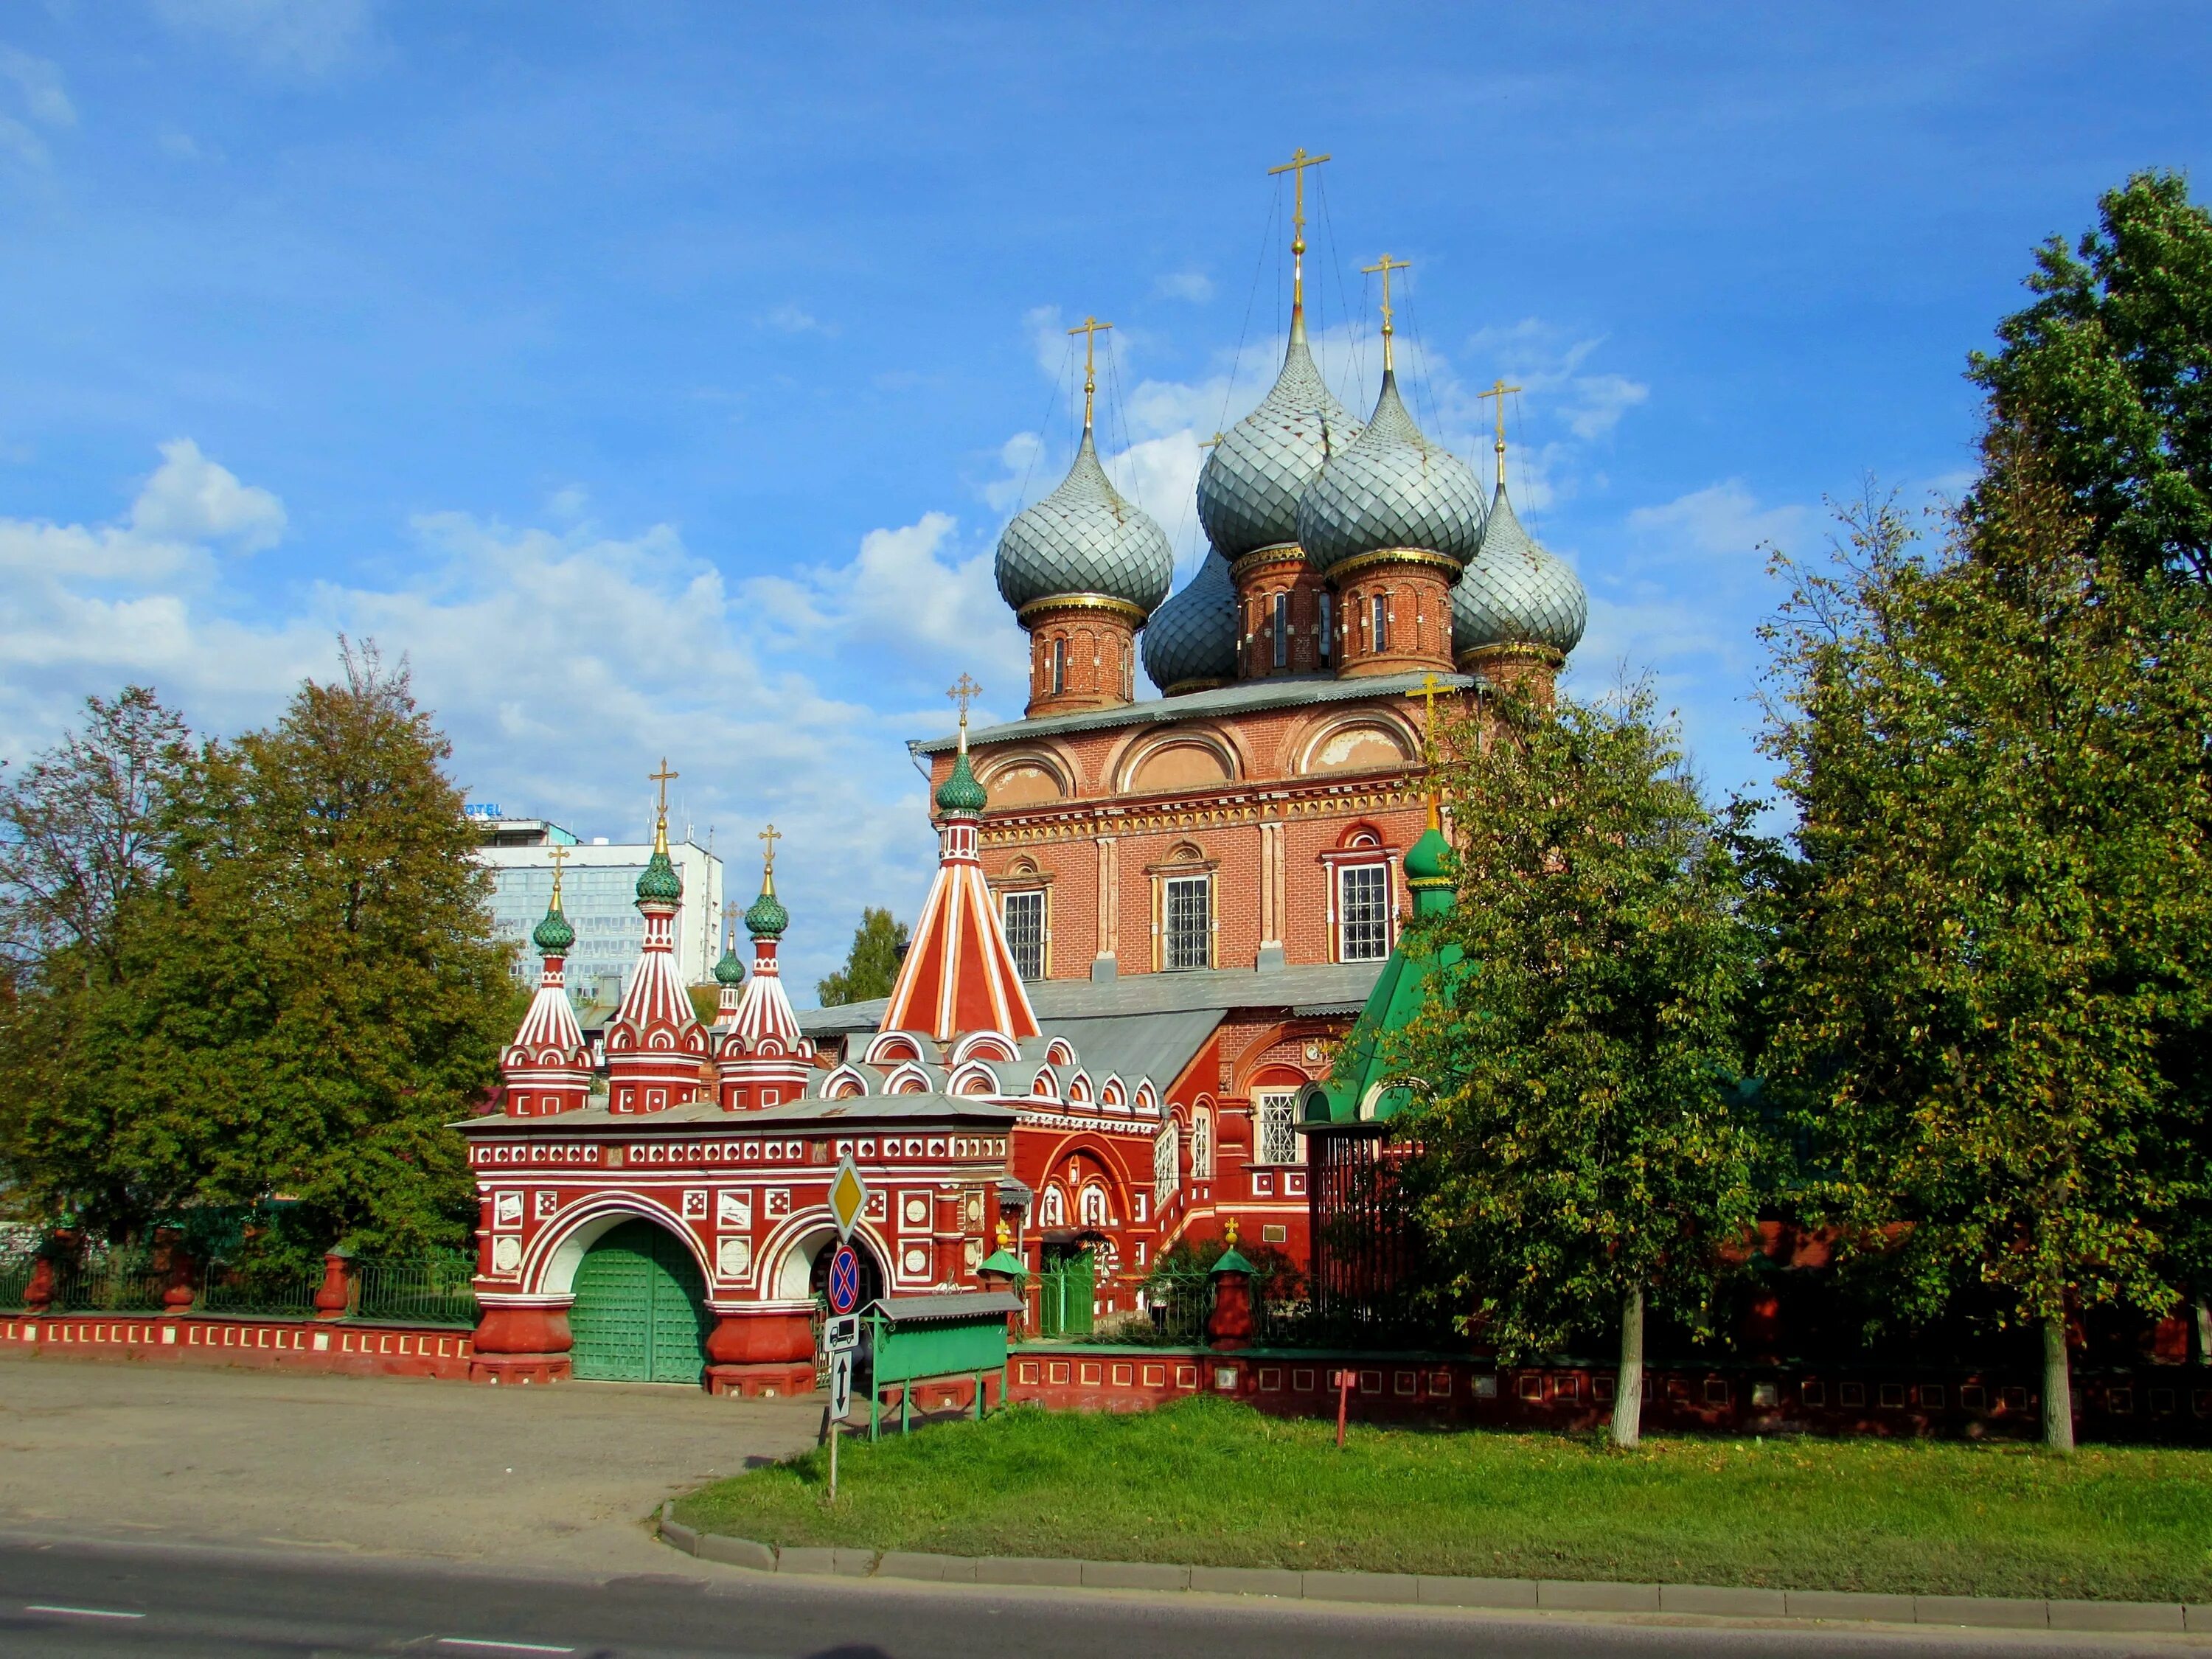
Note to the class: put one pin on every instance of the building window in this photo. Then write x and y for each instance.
(1022, 914)
(1187, 922)
(1094, 1206)
(1325, 631)
(1282, 630)
(1382, 628)
(1052, 1210)
(1277, 1111)
(1201, 1144)
(1166, 1151)
(1060, 665)
(1362, 912)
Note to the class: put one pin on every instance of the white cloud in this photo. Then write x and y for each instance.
(296, 36)
(794, 320)
(563, 662)
(46, 101)
(190, 498)
(1724, 519)
(1195, 286)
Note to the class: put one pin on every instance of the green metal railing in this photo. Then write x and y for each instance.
(1179, 1302)
(17, 1268)
(229, 1288)
(417, 1289)
(1066, 1293)
(123, 1281)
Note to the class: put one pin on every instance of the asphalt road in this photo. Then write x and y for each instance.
(81, 1598)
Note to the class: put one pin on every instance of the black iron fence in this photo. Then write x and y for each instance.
(420, 1290)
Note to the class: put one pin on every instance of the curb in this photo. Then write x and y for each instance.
(1433, 1590)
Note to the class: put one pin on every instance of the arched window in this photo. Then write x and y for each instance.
(1201, 1145)
(1060, 664)
(1167, 1152)
(1094, 1206)
(1052, 1208)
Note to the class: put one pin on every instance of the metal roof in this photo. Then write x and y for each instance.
(857, 1109)
(955, 1304)
(1277, 691)
(1307, 989)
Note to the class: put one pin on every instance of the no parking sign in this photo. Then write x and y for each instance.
(844, 1280)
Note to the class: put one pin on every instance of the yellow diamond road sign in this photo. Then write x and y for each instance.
(848, 1193)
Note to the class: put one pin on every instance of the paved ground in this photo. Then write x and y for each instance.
(556, 1477)
(83, 1600)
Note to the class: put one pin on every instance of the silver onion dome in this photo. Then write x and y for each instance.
(1084, 539)
(1392, 488)
(1191, 641)
(1514, 592)
(1248, 490)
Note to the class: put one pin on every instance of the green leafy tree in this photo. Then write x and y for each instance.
(1995, 753)
(1581, 1151)
(309, 1001)
(2107, 380)
(871, 966)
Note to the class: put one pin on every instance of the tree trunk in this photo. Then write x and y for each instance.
(2058, 1387)
(1628, 1388)
(2204, 1328)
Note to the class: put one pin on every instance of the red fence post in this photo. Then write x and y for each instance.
(336, 1289)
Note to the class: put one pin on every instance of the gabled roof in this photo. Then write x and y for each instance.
(1307, 989)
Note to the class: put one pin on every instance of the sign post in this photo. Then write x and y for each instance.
(841, 1332)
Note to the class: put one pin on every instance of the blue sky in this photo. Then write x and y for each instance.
(658, 377)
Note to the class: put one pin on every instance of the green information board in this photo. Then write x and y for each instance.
(915, 1338)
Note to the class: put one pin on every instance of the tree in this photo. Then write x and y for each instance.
(81, 835)
(2106, 379)
(310, 997)
(1580, 1143)
(871, 965)
(1996, 755)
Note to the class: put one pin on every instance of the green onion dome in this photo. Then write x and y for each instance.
(1084, 539)
(1429, 859)
(553, 936)
(661, 880)
(1393, 489)
(1249, 489)
(730, 971)
(1190, 643)
(1514, 592)
(961, 792)
(767, 918)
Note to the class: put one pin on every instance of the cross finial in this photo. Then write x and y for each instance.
(1296, 166)
(560, 856)
(964, 691)
(1208, 443)
(769, 837)
(1501, 391)
(1386, 265)
(1090, 328)
(663, 777)
(1229, 1232)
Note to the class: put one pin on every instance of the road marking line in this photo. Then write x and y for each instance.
(87, 1612)
(504, 1647)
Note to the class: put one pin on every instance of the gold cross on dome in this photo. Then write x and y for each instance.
(1090, 328)
(663, 777)
(560, 856)
(1386, 265)
(964, 691)
(1430, 686)
(1296, 166)
(768, 838)
(1501, 391)
(1208, 443)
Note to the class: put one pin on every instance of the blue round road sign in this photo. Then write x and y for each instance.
(844, 1279)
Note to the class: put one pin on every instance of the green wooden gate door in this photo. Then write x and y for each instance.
(641, 1313)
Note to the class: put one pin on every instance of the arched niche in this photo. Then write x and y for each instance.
(1358, 745)
(1026, 779)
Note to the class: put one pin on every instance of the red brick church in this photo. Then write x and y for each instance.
(1153, 922)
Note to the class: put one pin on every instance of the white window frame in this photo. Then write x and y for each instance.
(1275, 1115)
(1201, 1144)
(1052, 1208)
(1093, 1207)
(1379, 629)
(1344, 876)
(1043, 928)
(1167, 1174)
(1169, 963)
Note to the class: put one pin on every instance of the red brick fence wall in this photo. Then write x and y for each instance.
(353, 1349)
(2150, 1402)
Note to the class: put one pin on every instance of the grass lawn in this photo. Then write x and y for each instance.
(1210, 1482)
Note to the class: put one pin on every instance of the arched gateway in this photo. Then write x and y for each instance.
(641, 1313)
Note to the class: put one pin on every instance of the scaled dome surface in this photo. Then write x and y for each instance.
(1084, 539)
(1249, 489)
(1192, 637)
(1392, 488)
(1514, 593)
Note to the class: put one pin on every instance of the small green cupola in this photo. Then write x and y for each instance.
(555, 934)
(1360, 1088)
(960, 793)
(766, 918)
(730, 971)
(660, 883)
